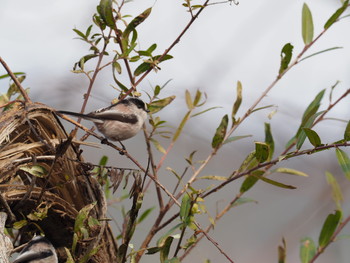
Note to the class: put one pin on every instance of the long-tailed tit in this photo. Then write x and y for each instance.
(119, 121)
(38, 250)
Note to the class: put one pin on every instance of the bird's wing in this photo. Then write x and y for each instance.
(32, 255)
(111, 115)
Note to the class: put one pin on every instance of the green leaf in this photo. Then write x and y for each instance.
(261, 151)
(319, 52)
(181, 126)
(347, 132)
(158, 105)
(301, 135)
(164, 252)
(144, 215)
(197, 98)
(204, 111)
(214, 177)
(143, 67)
(282, 252)
(336, 15)
(15, 73)
(185, 208)
(158, 146)
(79, 33)
(242, 201)
(344, 162)
(289, 171)
(189, 100)
(313, 107)
(307, 25)
(336, 191)
(286, 56)
(105, 10)
(82, 216)
(236, 138)
(220, 133)
(307, 250)
(36, 170)
(238, 101)
(136, 21)
(117, 67)
(250, 181)
(275, 183)
(329, 226)
(313, 137)
(269, 140)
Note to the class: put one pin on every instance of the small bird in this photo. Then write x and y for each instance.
(119, 121)
(38, 250)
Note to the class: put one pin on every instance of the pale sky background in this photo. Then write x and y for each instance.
(227, 43)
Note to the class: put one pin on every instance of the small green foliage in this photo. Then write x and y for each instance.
(105, 10)
(236, 138)
(312, 136)
(307, 250)
(36, 170)
(158, 105)
(220, 133)
(269, 140)
(135, 22)
(336, 15)
(262, 151)
(237, 103)
(336, 191)
(250, 181)
(330, 225)
(286, 57)
(282, 254)
(347, 132)
(289, 171)
(344, 162)
(185, 208)
(307, 25)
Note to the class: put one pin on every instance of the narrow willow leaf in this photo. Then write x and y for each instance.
(301, 135)
(185, 207)
(214, 177)
(158, 105)
(117, 67)
(344, 162)
(263, 107)
(204, 111)
(189, 100)
(261, 151)
(307, 250)
(242, 201)
(197, 97)
(313, 137)
(236, 138)
(220, 133)
(36, 170)
(313, 107)
(143, 67)
(249, 161)
(181, 126)
(336, 15)
(282, 252)
(135, 22)
(152, 250)
(286, 57)
(15, 73)
(158, 146)
(105, 11)
(289, 171)
(275, 183)
(319, 52)
(329, 226)
(336, 191)
(347, 132)
(79, 33)
(307, 25)
(164, 252)
(238, 101)
(269, 140)
(250, 181)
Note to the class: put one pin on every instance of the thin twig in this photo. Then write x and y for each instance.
(15, 80)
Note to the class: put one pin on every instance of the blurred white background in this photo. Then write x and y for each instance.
(226, 43)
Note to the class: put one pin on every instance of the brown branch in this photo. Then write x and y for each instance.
(15, 80)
